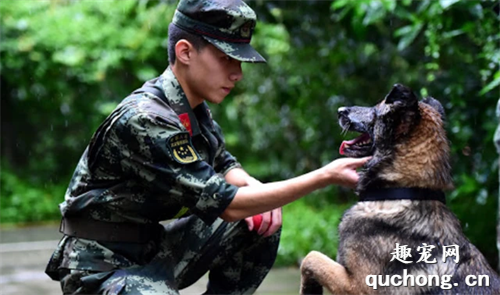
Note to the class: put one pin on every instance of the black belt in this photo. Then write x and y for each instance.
(92, 229)
(402, 193)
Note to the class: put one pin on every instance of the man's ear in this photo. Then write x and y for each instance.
(184, 51)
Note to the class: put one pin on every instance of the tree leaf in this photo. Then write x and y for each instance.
(374, 12)
(340, 4)
(491, 85)
(408, 33)
(447, 3)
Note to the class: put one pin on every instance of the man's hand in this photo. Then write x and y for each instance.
(271, 221)
(343, 170)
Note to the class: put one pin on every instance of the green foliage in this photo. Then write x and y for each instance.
(66, 64)
(306, 228)
(23, 202)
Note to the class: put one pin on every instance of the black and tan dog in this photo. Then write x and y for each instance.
(400, 238)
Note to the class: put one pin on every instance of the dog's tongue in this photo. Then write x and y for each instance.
(351, 142)
(342, 146)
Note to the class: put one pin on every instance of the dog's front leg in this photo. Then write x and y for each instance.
(319, 270)
(309, 286)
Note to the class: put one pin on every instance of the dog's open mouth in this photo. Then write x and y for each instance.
(361, 146)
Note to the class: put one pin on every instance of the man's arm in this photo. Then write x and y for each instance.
(251, 200)
(239, 177)
(271, 220)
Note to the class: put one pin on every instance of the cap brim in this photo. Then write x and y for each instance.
(240, 51)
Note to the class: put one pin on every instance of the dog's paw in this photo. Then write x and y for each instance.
(306, 267)
(309, 285)
(310, 262)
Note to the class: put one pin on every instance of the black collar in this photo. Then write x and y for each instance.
(402, 193)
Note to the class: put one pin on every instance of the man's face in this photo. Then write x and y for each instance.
(212, 74)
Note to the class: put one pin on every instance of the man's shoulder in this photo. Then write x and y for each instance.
(137, 114)
(146, 106)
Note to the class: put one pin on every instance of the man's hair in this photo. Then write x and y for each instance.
(175, 34)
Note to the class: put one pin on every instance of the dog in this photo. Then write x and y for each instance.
(400, 233)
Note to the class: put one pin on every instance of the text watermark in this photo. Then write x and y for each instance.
(402, 253)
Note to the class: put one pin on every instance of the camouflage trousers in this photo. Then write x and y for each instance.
(237, 261)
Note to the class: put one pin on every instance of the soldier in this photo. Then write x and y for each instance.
(160, 156)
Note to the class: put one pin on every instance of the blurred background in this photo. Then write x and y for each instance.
(66, 64)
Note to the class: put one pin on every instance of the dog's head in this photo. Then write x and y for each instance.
(406, 138)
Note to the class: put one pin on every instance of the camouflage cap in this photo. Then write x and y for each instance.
(226, 24)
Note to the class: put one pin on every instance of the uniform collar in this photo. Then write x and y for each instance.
(190, 118)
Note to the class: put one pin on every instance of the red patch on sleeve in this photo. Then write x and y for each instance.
(186, 122)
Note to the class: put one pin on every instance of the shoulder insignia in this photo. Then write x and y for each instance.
(182, 149)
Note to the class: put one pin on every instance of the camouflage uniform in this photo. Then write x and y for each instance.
(157, 159)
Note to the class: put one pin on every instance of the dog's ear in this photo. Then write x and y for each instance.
(401, 93)
(404, 105)
(436, 105)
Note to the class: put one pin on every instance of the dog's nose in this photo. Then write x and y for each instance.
(342, 111)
